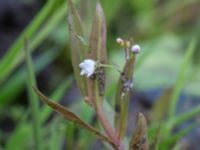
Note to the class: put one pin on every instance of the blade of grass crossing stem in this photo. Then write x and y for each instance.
(181, 77)
(9, 61)
(33, 99)
(18, 137)
(15, 84)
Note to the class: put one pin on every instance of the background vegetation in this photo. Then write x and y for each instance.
(166, 80)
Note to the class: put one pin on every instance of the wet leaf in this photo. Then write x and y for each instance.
(78, 49)
(139, 139)
(123, 96)
(67, 114)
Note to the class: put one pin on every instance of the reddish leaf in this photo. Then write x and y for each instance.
(67, 114)
(139, 139)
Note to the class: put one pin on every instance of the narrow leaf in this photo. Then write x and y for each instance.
(181, 77)
(123, 96)
(11, 58)
(13, 87)
(31, 81)
(67, 114)
(98, 36)
(78, 49)
(139, 139)
(98, 53)
(96, 85)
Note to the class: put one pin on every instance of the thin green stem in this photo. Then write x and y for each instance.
(110, 66)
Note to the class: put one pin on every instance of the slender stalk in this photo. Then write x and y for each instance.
(110, 66)
(112, 134)
(33, 100)
(108, 129)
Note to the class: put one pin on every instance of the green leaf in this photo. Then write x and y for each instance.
(78, 49)
(14, 54)
(98, 53)
(16, 83)
(122, 97)
(98, 37)
(33, 99)
(181, 77)
(173, 139)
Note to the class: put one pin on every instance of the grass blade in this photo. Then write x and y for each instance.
(181, 77)
(9, 61)
(31, 81)
(16, 83)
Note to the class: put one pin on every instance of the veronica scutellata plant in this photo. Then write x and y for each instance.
(89, 64)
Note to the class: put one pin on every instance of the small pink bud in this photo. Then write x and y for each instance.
(120, 41)
(135, 49)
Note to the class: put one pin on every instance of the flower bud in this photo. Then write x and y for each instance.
(135, 49)
(120, 41)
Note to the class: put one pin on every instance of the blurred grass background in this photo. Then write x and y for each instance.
(167, 72)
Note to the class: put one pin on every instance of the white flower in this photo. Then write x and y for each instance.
(87, 67)
(136, 49)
